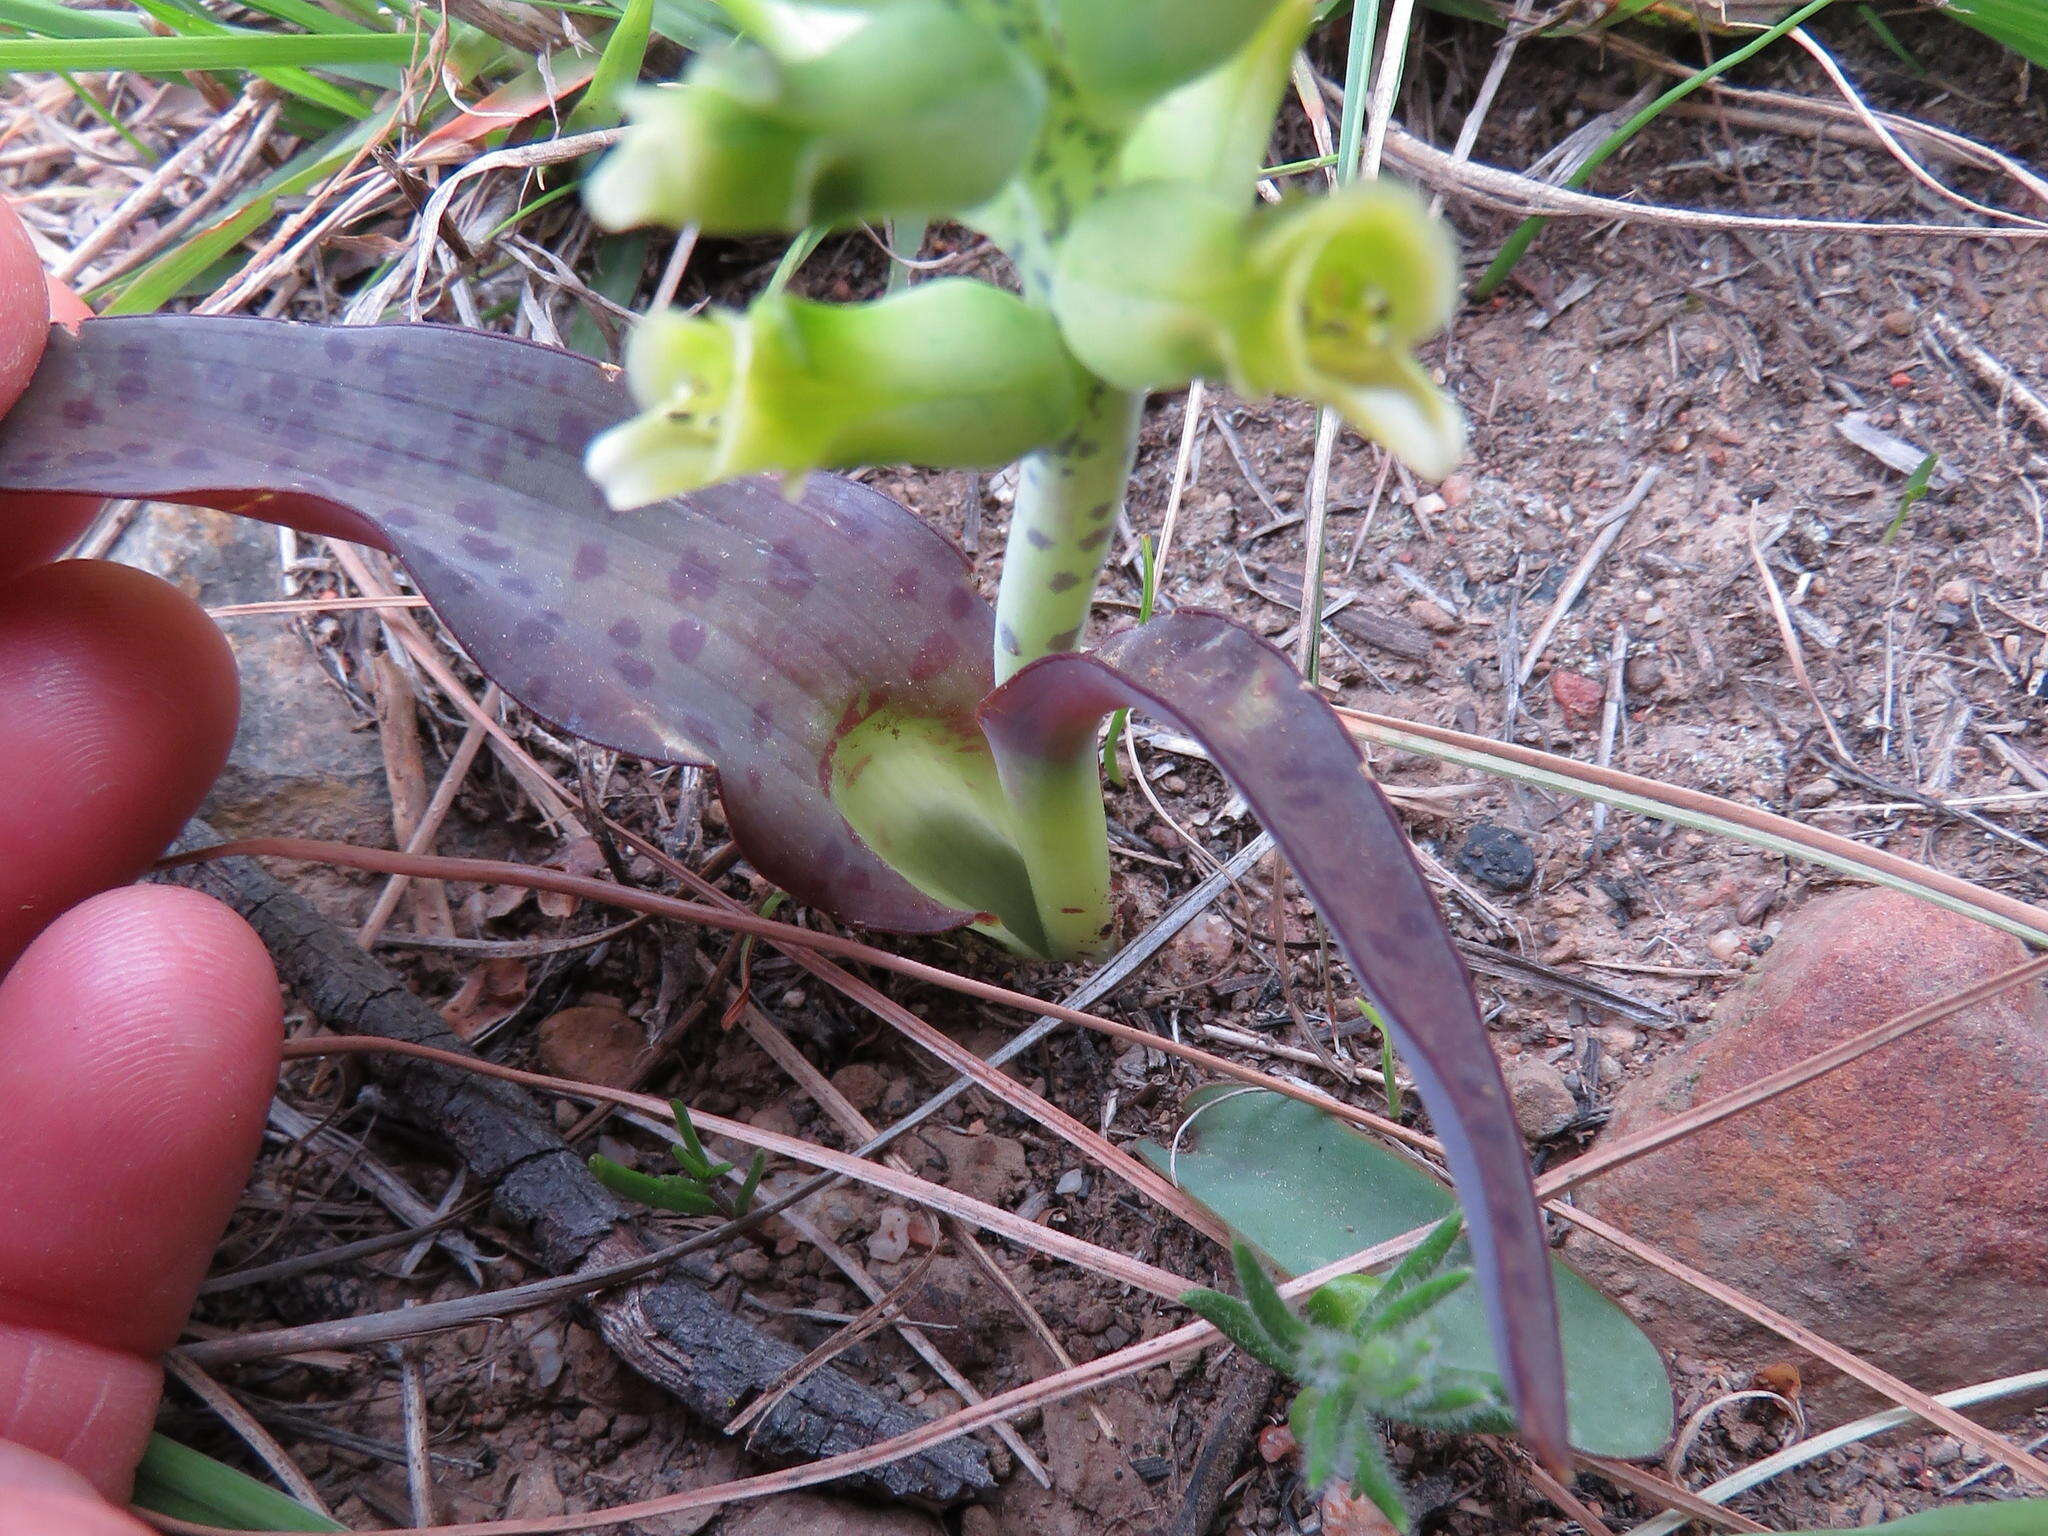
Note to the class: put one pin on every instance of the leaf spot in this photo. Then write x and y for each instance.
(934, 655)
(685, 639)
(590, 562)
(634, 670)
(905, 584)
(789, 570)
(1062, 581)
(626, 634)
(694, 578)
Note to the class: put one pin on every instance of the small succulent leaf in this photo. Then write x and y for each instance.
(736, 628)
(1213, 131)
(1373, 1475)
(1130, 53)
(952, 373)
(666, 1192)
(1398, 1310)
(1422, 1260)
(1477, 1417)
(743, 1202)
(1284, 750)
(1341, 1303)
(686, 1134)
(1328, 1420)
(1322, 298)
(828, 115)
(1237, 1323)
(1263, 1297)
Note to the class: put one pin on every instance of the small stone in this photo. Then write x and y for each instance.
(1544, 1103)
(592, 1045)
(1898, 322)
(1073, 1182)
(863, 1085)
(1431, 617)
(1276, 1444)
(1725, 945)
(751, 1264)
(1816, 791)
(1578, 696)
(1205, 946)
(590, 1424)
(1456, 489)
(1645, 675)
(1094, 1318)
(890, 1240)
(1429, 504)
(1955, 592)
(988, 1167)
(630, 1428)
(1496, 857)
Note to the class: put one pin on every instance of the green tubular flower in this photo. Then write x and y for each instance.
(1321, 298)
(1131, 52)
(836, 114)
(954, 374)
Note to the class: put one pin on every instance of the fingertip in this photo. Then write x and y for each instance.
(158, 1010)
(117, 709)
(24, 307)
(41, 1497)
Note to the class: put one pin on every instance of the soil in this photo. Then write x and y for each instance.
(1717, 366)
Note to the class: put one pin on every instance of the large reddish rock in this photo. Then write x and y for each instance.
(1899, 1206)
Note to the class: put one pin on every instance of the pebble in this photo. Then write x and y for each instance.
(592, 1045)
(1431, 617)
(1544, 1103)
(1954, 591)
(1073, 1182)
(1496, 857)
(1577, 695)
(1456, 489)
(1725, 945)
(1645, 674)
(1898, 322)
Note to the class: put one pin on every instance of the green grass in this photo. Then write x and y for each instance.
(254, 51)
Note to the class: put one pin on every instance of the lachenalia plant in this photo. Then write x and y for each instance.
(660, 564)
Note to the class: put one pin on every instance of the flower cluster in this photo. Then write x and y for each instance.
(1109, 147)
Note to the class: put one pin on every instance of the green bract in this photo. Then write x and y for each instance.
(1323, 298)
(954, 374)
(1130, 52)
(835, 114)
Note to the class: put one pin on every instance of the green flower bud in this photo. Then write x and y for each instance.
(1321, 298)
(1131, 52)
(953, 373)
(898, 111)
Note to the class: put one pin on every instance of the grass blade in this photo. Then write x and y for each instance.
(235, 50)
(178, 1481)
(1526, 232)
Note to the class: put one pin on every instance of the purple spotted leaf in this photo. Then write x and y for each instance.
(1284, 750)
(733, 628)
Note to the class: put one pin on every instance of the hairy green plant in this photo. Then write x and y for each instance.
(1362, 1352)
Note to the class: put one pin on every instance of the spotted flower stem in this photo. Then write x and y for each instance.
(1068, 497)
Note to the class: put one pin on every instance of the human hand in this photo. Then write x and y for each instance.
(139, 1025)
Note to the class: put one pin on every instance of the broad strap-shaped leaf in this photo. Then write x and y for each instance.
(734, 627)
(1283, 749)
